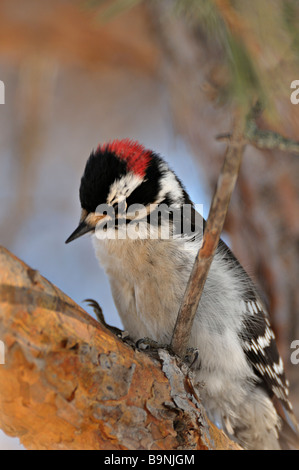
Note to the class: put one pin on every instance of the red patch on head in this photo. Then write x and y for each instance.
(135, 154)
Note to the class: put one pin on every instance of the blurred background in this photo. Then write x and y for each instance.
(168, 73)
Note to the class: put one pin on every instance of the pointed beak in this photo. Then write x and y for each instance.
(80, 230)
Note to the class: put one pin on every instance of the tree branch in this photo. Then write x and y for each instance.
(226, 183)
(69, 383)
(264, 139)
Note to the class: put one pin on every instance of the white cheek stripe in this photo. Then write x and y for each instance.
(123, 187)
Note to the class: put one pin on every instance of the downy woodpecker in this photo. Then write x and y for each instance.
(239, 373)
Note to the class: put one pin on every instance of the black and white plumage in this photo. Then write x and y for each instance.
(240, 376)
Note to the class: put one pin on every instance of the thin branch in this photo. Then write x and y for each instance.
(264, 139)
(211, 236)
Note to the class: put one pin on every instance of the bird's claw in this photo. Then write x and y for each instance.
(192, 358)
(101, 319)
(146, 344)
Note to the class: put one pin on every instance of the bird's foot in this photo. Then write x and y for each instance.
(148, 344)
(192, 358)
(101, 319)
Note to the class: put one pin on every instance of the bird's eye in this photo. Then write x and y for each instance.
(101, 212)
(122, 204)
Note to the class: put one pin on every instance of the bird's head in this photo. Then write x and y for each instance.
(123, 172)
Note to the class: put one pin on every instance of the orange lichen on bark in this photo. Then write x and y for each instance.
(69, 383)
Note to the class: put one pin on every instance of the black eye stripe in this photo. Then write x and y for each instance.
(146, 193)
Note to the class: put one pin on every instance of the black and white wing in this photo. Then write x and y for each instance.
(259, 346)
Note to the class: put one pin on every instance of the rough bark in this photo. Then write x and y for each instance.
(69, 383)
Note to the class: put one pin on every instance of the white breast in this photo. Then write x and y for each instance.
(148, 279)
